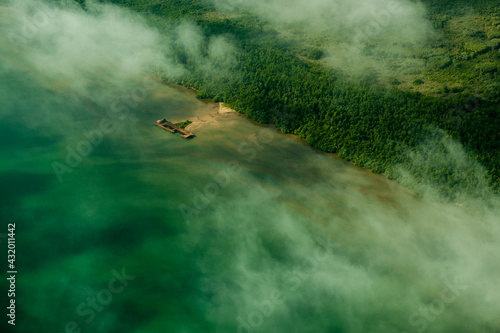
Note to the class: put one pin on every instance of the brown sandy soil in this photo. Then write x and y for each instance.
(210, 118)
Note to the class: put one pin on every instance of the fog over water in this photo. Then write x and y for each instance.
(124, 227)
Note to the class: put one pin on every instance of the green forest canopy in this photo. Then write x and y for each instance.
(376, 120)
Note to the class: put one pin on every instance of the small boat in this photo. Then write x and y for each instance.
(171, 127)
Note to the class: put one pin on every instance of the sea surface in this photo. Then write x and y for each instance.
(121, 226)
(240, 229)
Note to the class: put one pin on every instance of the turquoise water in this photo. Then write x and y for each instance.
(241, 229)
(334, 248)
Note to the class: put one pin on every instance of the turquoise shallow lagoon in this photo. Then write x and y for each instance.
(241, 229)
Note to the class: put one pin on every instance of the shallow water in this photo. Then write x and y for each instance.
(313, 243)
(241, 229)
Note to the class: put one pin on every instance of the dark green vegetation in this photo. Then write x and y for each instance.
(376, 121)
(184, 124)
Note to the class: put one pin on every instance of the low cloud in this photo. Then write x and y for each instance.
(395, 262)
(355, 36)
(441, 168)
(65, 65)
(96, 53)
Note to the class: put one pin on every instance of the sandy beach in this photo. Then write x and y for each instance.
(210, 118)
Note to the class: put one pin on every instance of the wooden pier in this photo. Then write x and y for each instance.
(171, 127)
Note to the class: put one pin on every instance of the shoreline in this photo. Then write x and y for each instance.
(218, 109)
(210, 119)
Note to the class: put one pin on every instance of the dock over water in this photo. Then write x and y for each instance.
(171, 127)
